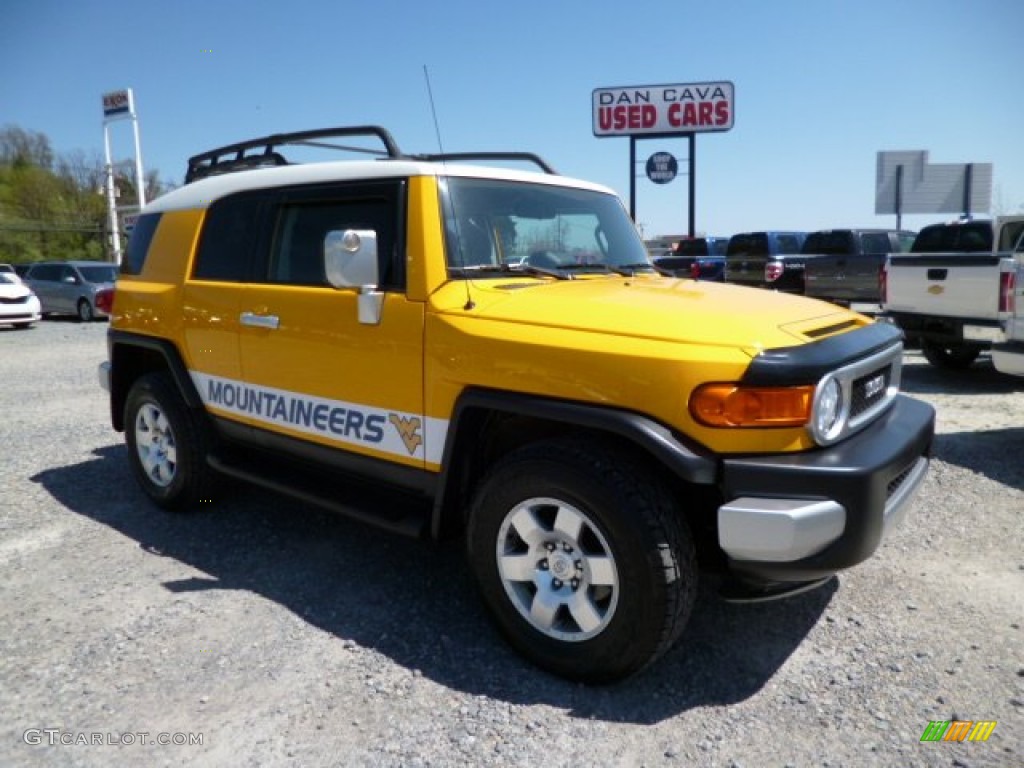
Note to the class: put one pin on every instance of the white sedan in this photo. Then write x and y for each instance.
(19, 306)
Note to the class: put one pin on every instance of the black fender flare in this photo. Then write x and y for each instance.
(123, 372)
(683, 457)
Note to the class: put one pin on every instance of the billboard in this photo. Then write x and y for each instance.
(664, 109)
(905, 182)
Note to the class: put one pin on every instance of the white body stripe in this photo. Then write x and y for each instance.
(409, 435)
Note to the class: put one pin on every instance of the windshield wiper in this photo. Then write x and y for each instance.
(507, 269)
(626, 270)
(640, 265)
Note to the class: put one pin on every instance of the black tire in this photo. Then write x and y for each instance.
(167, 445)
(623, 550)
(951, 356)
(85, 311)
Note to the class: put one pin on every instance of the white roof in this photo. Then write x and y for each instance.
(199, 194)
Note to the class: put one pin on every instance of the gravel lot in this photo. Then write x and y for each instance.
(280, 635)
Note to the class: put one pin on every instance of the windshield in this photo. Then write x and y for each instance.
(495, 225)
(105, 273)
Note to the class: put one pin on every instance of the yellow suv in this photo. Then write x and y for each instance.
(449, 349)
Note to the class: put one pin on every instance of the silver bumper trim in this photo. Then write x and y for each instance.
(778, 530)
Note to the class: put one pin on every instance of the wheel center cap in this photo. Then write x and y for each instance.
(561, 566)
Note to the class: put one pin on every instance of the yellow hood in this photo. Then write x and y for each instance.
(655, 308)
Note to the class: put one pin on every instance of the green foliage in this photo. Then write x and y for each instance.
(52, 206)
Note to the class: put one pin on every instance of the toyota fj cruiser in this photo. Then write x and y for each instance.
(451, 349)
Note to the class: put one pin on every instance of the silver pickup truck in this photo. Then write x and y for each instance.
(953, 295)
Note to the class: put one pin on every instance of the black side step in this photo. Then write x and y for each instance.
(380, 507)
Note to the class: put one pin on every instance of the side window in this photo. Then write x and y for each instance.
(303, 220)
(138, 244)
(229, 237)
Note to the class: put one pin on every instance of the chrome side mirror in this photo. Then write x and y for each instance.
(350, 261)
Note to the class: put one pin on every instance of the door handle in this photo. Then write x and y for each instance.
(260, 321)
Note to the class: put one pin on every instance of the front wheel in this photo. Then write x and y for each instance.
(167, 444)
(951, 356)
(583, 559)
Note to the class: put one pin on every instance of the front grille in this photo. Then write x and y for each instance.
(869, 389)
(18, 300)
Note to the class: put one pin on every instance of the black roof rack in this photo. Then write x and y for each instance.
(214, 161)
(234, 157)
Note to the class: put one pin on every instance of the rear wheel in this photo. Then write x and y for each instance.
(952, 356)
(167, 444)
(85, 311)
(583, 559)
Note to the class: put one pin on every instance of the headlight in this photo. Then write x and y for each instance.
(828, 411)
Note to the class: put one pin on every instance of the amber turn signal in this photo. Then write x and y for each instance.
(734, 405)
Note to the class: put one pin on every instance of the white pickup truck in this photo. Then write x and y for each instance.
(955, 293)
(1008, 352)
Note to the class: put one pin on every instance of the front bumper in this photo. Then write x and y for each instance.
(803, 517)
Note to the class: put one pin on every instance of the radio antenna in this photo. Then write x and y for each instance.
(433, 109)
(470, 304)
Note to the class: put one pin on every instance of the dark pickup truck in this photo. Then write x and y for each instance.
(843, 265)
(766, 260)
(701, 258)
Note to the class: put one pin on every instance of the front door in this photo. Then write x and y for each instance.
(312, 369)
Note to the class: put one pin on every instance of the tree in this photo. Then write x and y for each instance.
(19, 148)
(52, 206)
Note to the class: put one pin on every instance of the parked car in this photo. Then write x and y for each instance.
(70, 287)
(19, 306)
(702, 258)
(843, 265)
(766, 260)
(7, 269)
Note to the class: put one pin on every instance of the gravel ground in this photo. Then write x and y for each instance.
(275, 634)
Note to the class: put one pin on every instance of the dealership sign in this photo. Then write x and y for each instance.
(664, 109)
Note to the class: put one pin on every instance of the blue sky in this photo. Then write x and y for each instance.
(821, 87)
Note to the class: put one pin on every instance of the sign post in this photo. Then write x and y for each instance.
(662, 111)
(120, 105)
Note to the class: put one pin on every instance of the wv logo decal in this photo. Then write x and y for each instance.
(408, 430)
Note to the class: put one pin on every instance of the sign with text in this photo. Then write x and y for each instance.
(116, 103)
(664, 109)
(662, 167)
